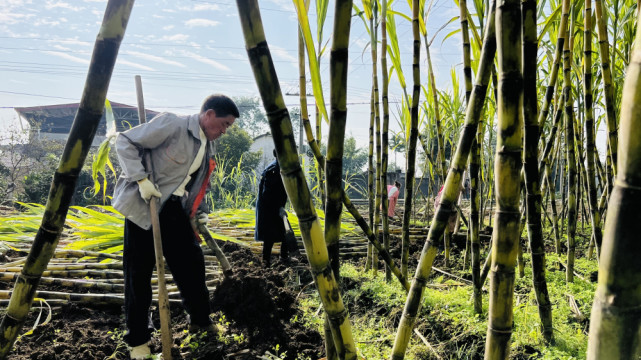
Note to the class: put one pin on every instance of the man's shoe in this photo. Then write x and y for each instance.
(140, 352)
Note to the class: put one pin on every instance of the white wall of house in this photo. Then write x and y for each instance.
(265, 143)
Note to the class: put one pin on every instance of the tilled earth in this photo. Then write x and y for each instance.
(255, 309)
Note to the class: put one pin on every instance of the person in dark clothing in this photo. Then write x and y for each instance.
(270, 226)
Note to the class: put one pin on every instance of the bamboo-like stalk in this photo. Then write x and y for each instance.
(550, 180)
(616, 320)
(85, 284)
(465, 34)
(81, 136)
(531, 167)
(571, 161)
(608, 88)
(293, 177)
(373, 239)
(507, 168)
(374, 106)
(558, 54)
(590, 135)
(338, 117)
(381, 150)
(451, 191)
(411, 148)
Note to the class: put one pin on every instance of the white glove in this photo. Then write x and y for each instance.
(202, 219)
(148, 189)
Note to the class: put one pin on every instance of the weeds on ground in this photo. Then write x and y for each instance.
(447, 320)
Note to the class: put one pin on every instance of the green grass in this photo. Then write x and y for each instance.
(447, 317)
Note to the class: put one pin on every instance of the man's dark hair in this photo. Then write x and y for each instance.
(223, 105)
(398, 184)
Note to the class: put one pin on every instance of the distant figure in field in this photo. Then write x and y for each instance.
(270, 226)
(393, 191)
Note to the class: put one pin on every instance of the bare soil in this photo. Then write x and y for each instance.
(256, 307)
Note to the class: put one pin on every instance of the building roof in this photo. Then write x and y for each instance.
(57, 119)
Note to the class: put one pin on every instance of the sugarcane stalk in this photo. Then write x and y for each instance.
(608, 88)
(450, 193)
(571, 160)
(85, 254)
(413, 134)
(9, 276)
(293, 177)
(590, 147)
(616, 316)
(62, 188)
(531, 168)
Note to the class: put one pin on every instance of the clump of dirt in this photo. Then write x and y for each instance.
(257, 305)
(258, 301)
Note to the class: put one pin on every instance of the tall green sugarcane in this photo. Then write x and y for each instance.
(381, 177)
(590, 148)
(335, 143)
(372, 15)
(451, 192)
(62, 188)
(616, 320)
(608, 88)
(571, 161)
(558, 53)
(293, 177)
(411, 148)
(336, 139)
(371, 236)
(544, 166)
(475, 220)
(442, 168)
(467, 67)
(531, 167)
(507, 168)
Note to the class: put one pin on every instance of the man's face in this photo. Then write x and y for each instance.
(213, 126)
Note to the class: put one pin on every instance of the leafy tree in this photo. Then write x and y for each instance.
(252, 117)
(234, 144)
(354, 158)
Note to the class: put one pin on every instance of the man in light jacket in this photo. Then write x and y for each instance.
(182, 161)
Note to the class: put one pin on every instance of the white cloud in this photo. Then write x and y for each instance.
(168, 27)
(8, 18)
(68, 57)
(138, 66)
(154, 58)
(206, 60)
(176, 37)
(45, 22)
(60, 47)
(61, 4)
(282, 54)
(200, 7)
(191, 23)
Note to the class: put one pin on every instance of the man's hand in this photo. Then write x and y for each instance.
(148, 189)
(202, 219)
(282, 212)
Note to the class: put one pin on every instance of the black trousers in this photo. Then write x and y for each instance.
(186, 262)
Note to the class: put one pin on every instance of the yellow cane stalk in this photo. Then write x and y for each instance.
(81, 136)
(293, 177)
(616, 317)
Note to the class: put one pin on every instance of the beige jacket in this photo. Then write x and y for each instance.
(173, 141)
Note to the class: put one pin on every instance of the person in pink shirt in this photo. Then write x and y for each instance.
(393, 191)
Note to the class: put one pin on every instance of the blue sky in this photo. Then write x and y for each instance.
(185, 50)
